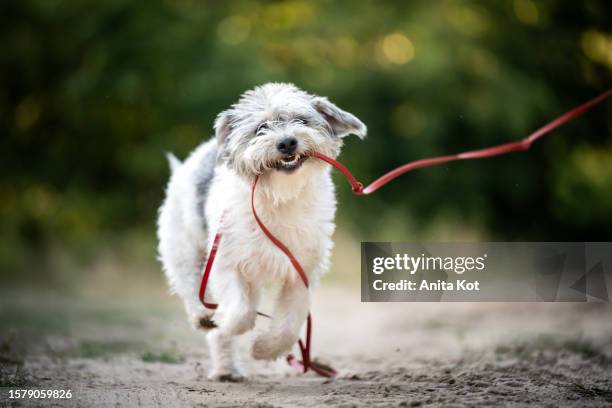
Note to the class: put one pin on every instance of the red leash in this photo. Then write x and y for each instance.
(306, 363)
(521, 145)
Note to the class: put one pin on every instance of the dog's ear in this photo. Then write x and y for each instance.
(341, 122)
(223, 127)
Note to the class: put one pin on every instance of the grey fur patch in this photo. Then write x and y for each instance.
(203, 180)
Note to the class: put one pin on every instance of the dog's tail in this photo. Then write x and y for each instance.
(173, 161)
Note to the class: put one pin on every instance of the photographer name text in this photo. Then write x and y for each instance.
(425, 285)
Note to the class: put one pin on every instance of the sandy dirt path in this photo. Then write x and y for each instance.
(123, 352)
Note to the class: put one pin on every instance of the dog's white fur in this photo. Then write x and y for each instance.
(211, 192)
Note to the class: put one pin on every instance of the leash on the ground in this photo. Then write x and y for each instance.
(306, 363)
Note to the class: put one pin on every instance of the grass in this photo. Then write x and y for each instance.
(579, 346)
(104, 349)
(166, 356)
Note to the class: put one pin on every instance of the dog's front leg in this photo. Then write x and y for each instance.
(235, 315)
(238, 301)
(290, 312)
(223, 356)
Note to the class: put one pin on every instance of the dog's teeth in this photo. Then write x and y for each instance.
(290, 161)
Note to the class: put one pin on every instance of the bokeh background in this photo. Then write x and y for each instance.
(93, 93)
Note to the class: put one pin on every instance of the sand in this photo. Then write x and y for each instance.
(122, 351)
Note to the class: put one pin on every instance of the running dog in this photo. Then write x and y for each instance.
(270, 132)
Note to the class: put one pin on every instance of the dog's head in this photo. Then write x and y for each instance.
(276, 127)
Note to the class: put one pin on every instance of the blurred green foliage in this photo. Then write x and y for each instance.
(93, 93)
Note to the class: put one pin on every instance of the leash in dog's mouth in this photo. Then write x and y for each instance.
(293, 163)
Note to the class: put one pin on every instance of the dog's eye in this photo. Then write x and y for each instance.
(262, 126)
(301, 121)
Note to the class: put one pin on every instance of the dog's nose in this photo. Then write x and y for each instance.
(288, 145)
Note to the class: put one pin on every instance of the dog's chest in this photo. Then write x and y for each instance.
(302, 221)
(306, 234)
(305, 227)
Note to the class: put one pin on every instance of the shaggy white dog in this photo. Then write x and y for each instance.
(271, 132)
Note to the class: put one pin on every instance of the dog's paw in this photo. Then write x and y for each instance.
(234, 323)
(227, 376)
(272, 345)
(203, 322)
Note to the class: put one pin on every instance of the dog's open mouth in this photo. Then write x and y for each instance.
(291, 163)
